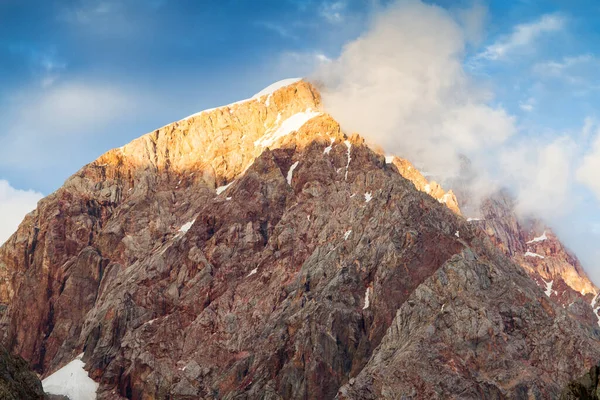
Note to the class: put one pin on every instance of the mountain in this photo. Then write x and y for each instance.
(256, 250)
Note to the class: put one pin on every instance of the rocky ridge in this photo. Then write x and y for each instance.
(256, 250)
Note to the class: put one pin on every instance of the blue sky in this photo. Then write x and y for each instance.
(151, 62)
(80, 77)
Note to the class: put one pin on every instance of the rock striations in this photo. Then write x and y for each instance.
(257, 251)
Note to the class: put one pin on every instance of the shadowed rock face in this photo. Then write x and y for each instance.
(584, 388)
(17, 381)
(320, 271)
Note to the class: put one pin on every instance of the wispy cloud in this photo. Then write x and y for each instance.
(522, 37)
(88, 11)
(279, 29)
(44, 63)
(333, 11)
(527, 105)
(56, 118)
(581, 69)
(110, 17)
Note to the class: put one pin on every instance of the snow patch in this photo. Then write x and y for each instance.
(594, 300)
(445, 198)
(328, 148)
(186, 227)
(389, 159)
(221, 189)
(473, 219)
(549, 290)
(255, 270)
(530, 254)
(291, 172)
(597, 309)
(367, 298)
(292, 124)
(72, 381)
(276, 86)
(539, 238)
(349, 146)
(368, 197)
(427, 188)
(457, 234)
(347, 234)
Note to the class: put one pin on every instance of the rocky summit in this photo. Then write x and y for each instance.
(257, 251)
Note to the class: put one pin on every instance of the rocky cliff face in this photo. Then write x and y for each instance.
(257, 251)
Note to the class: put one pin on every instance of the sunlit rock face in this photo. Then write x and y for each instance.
(257, 250)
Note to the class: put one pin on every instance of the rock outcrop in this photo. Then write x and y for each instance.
(257, 251)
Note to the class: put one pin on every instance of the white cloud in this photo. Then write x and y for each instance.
(540, 171)
(433, 116)
(14, 205)
(380, 87)
(523, 36)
